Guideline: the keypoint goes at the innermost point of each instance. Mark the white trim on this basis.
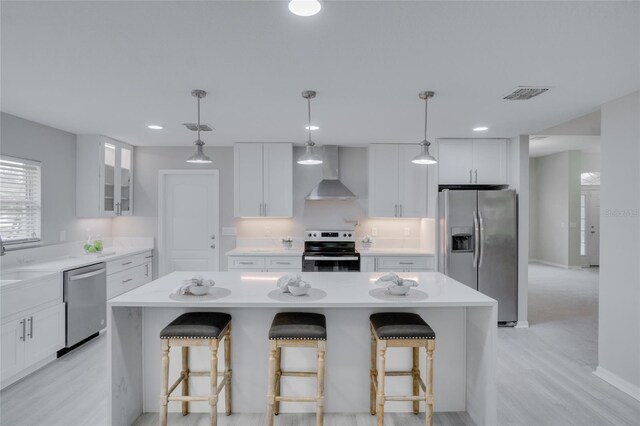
(557, 265)
(618, 382)
(522, 324)
(162, 174)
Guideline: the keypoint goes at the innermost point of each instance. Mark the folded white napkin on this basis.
(186, 285)
(290, 280)
(392, 279)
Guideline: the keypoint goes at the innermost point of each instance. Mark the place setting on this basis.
(394, 288)
(292, 288)
(198, 288)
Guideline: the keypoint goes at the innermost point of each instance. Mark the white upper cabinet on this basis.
(472, 161)
(263, 180)
(397, 187)
(104, 177)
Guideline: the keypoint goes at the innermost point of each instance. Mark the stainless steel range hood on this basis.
(330, 187)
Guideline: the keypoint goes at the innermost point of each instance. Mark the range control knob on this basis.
(315, 235)
(344, 235)
(349, 234)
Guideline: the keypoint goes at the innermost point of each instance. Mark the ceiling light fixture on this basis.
(155, 127)
(480, 129)
(312, 127)
(199, 157)
(424, 157)
(310, 156)
(304, 7)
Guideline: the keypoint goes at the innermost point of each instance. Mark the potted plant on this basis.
(367, 242)
(287, 242)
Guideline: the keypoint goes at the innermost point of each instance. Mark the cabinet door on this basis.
(12, 350)
(490, 161)
(45, 333)
(383, 180)
(248, 177)
(124, 171)
(455, 162)
(412, 182)
(108, 179)
(278, 179)
(367, 264)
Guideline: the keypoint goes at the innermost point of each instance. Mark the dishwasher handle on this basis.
(87, 275)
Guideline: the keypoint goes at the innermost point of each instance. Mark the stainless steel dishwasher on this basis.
(85, 295)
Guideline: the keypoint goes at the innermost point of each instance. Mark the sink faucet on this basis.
(3, 250)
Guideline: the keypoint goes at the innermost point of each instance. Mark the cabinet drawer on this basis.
(29, 295)
(126, 280)
(405, 263)
(283, 263)
(128, 262)
(246, 262)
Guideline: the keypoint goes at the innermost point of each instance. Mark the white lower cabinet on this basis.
(396, 264)
(265, 263)
(127, 273)
(30, 337)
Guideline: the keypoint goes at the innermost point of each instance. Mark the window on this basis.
(583, 224)
(20, 206)
(590, 178)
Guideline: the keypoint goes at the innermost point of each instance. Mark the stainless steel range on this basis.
(330, 251)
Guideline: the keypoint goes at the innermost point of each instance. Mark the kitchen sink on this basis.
(12, 276)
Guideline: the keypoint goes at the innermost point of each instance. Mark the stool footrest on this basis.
(398, 373)
(297, 398)
(299, 373)
(405, 398)
(207, 373)
(188, 398)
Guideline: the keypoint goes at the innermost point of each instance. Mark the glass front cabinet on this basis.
(104, 177)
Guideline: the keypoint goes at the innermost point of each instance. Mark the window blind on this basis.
(20, 200)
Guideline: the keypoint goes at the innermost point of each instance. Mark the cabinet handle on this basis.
(283, 263)
(127, 263)
(405, 263)
(30, 327)
(396, 210)
(212, 246)
(476, 175)
(400, 210)
(127, 280)
(265, 209)
(147, 273)
(24, 330)
(470, 179)
(245, 263)
(149, 257)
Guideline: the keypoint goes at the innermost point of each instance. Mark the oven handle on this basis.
(330, 257)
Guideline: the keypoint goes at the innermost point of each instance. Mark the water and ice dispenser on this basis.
(461, 239)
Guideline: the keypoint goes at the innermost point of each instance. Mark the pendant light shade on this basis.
(310, 155)
(199, 157)
(425, 157)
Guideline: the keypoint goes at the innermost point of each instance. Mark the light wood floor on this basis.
(544, 374)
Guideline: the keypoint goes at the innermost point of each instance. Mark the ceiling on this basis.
(113, 67)
(547, 145)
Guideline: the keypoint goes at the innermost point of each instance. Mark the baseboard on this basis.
(618, 382)
(557, 265)
(522, 324)
(8, 381)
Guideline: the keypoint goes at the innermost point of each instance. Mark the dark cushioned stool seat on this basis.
(196, 325)
(298, 326)
(400, 325)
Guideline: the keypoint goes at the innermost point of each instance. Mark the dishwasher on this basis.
(85, 296)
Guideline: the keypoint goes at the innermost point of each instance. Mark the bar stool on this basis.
(197, 329)
(400, 330)
(295, 329)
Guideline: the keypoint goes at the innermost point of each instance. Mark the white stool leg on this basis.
(271, 398)
(428, 414)
(213, 388)
(382, 349)
(320, 392)
(164, 387)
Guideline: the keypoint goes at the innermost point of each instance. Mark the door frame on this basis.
(587, 191)
(162, 175)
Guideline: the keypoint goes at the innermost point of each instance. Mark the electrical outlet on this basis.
(267, 231)
(374, 231)
(63, 236)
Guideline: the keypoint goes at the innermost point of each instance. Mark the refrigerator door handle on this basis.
(476, 238)
(481, 239)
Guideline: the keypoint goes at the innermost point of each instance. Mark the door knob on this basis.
(213, 246)
(213, 237)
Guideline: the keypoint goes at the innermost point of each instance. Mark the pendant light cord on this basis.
(199, 118)
(309, 116)
(426, 104)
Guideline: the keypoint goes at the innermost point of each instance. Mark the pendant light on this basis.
(424, 157)
(199, 157)
(310, 156)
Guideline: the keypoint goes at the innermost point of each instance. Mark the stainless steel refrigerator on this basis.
(478, 244)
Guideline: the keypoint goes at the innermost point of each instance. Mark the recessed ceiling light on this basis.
(480, 129)
(304, 7)
(155, 127)
(312, 127)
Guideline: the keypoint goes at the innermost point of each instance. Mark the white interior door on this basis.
(593, 227)
(188, 220)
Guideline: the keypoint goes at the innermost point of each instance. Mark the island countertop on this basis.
(343, 290)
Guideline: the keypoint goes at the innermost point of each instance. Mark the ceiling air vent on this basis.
(194, 127)
(524, 93)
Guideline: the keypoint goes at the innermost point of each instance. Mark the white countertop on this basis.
(344, 290)
(265, 251)
(65, 263)
(393, 252)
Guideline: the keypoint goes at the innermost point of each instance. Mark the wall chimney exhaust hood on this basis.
(330, 187)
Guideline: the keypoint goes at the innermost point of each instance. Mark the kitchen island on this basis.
(464, 320)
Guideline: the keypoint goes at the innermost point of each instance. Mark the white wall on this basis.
(533, 209)
(148, 161)
(619, 312)
(56, 150)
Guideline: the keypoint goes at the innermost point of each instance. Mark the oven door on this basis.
(318, 263)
